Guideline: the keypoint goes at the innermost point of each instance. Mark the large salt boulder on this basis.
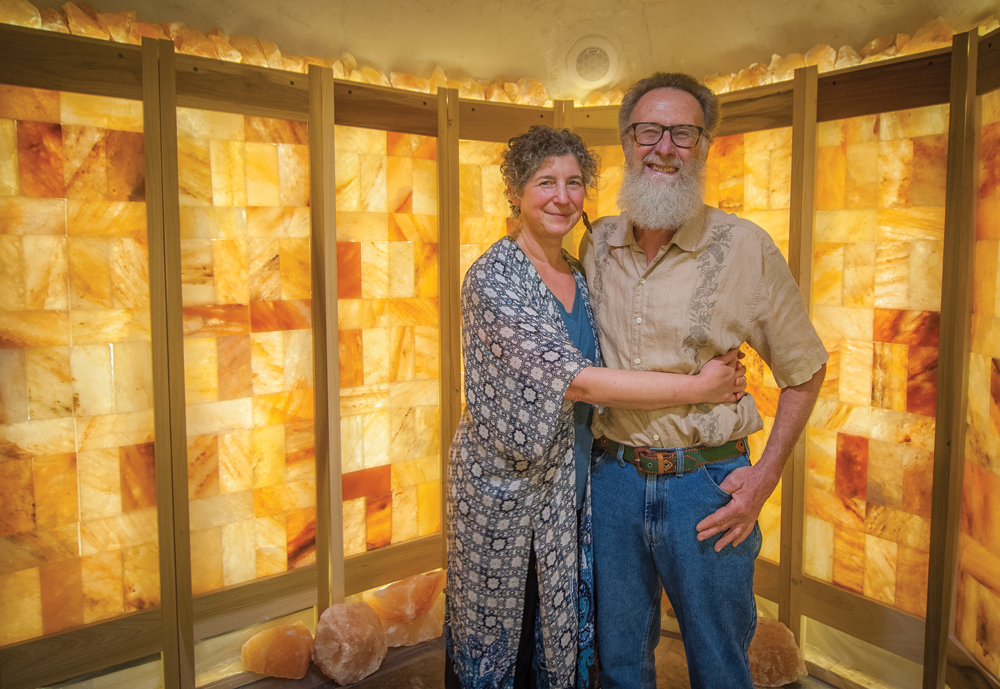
(775, 659)
(411, 610)
(281, 651)
(350, 643)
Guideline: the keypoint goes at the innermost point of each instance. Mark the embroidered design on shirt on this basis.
(710, 265)
(602, 257)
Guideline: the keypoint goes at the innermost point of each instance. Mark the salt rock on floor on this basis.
(350, 643)
(774, 656)
(407, 599)
(424, 628)
(281, 651)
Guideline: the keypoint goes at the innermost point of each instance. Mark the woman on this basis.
(520, 576)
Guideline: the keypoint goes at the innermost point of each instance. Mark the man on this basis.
(674, 283)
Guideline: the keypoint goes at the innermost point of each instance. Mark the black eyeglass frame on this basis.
(665, 128)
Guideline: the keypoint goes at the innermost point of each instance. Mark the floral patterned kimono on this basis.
(512, 482)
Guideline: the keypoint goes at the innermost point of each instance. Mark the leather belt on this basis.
(648, 460)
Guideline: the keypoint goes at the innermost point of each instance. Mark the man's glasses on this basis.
(650, 133)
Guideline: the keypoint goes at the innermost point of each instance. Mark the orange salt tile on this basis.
(404, 514)
(900, 527)
(880, 570)
(846, 512)
(46, 437)
(889, 376)
(101, 583)
(40, 159)
(995, 395)
(895, 173)
(849, 559)
(55, 484)
(300, 451)
(99, 484)
(268, 316)
(375, 437)
(402, 435)
(235, 461)
(401, 269)
(350, 343)
(267, 359)
(105, 219)
(376, 356)
(201, 370)
(295, 270)
(401, 361)
(298, 365)
(416, 311)
(425, 196)
(271, 545)
(407, 227)
(411, 146)
(35, 105)
(348, 270)
(861, 190)
(831, 166)
(50, 390)
(31, 549)
(213, 319)
(85, 167)
(852, 466)
(233, 355)
(293, 174)
(138, 476)
(918, 473)
(885, 473)
(278, 222)
(89, 273)
(264, 269)
(268, 454)
(17, 509)
(367, 482)
(129, 273)
(301, 533)
(399, 184)
(428, 508)
(426, 362)
(425, 270)
(220, 510)
(203, 466)
(206, 560)
(911, 580)
(378, 521)
(859, 274)
(262, 188)
(227, 160)
(275, 131)
(284, 498)
(126, 166)
(194, 172)
(921, 385)
(230, 271)
(283, 407)
(907, 327)
(930, 156)
(8, 158)
(93, 380)
(13, 387)
(20, 606)
(62, 596)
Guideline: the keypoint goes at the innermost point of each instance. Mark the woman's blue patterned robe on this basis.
(511, 482)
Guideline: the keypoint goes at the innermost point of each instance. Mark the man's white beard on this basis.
(661, 204)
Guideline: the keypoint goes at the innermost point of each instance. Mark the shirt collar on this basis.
(686, 238)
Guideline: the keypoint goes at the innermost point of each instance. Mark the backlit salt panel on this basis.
(482, 206)
(246, 284)
(387, 284)
(977, 612)
(78, 538)
(877, 263)
(750, 175)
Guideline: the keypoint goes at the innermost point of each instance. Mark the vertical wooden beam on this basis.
(800, 234)
(166, 328)
(329, 512)
(953, 355)
(449, 270)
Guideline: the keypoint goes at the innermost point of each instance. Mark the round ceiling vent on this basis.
(592, 62)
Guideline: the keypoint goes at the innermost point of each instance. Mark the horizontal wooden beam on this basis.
(379, 107)
(863, 618)
(898, 84)
(231, 87)
(756, 109)
(485, 121)
(964, 671)
(244, 605)
(386, 565)
(62, 656)
(597, 125)
(988, 67)
(765, 580)
(46, 60)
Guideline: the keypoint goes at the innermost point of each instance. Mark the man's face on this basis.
(664, 162)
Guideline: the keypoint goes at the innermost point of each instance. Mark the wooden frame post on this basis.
(449, 270)
(953, 356)
(329, 513)
(800, 259)
(167, 332)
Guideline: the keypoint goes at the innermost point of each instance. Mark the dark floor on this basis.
(422, 667)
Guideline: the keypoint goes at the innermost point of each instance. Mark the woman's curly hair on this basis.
(525, 155)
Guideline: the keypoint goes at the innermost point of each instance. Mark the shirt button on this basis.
(656, 437)
(642, 281)
(638, 320)
(637, 360)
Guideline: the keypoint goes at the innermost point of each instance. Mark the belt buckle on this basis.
(650, 461)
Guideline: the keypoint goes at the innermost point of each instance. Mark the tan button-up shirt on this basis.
(720, 281)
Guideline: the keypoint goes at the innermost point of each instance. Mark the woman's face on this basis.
(552, 200)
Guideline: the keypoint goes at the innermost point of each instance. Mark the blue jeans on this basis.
(644, 535)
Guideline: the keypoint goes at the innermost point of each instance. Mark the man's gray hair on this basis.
(671, 80)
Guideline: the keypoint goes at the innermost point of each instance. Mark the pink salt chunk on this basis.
(350, 643)
(281, 651)
(407, 599)
(774, 656)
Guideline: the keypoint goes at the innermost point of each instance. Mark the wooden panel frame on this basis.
(379, 107)
(953, 354)
(244, 89)
(486, 121)
(386, 565)
(988, 63)
(756, 109)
